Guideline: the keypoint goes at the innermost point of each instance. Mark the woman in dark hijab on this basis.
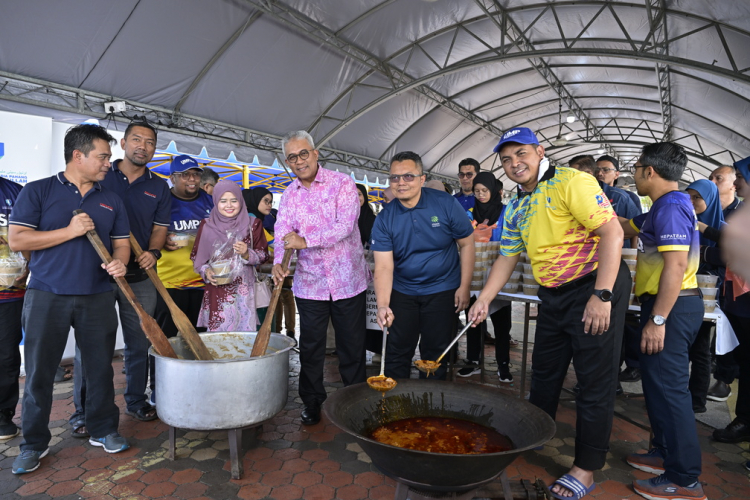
(254, 197)
(366, 215)
(488, 204)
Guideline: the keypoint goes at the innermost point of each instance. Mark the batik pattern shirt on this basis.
(325, 214)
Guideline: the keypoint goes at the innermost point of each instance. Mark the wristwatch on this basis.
(658, 320)
(604, 295)
(157, 253)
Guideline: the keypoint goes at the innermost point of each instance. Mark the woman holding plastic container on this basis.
(488, 210)
(229, 243)
(704, 196)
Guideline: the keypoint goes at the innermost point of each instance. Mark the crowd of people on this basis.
(206, 238)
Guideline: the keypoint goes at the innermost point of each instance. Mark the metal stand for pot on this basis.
(505, 490)
(237, 445)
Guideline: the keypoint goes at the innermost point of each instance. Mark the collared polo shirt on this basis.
(670, 226)
(175, 268)
(148, 203)
(620, 201)
(466, 200)
(423, 242)
(555, 223)
(8, 193)
(635, 199)
(72, 267)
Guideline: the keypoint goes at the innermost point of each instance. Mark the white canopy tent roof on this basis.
(369, 78)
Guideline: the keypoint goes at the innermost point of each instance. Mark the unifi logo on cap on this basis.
(187, 160)
(511, 133)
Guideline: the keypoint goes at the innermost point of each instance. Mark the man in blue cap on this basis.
(190, 205)
(566, 224)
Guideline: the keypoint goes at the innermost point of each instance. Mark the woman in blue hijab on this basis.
(705, 197)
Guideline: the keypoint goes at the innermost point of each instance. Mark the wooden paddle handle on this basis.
(264, 334)
(155, 335)
(181, 321)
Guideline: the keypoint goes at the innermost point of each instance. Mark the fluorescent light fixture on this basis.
(570, 118)
(601, 151)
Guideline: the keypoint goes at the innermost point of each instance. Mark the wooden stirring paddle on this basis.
(181, 321)
(264, 334)
(148, 324)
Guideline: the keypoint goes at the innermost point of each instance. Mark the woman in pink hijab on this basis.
(231, 306)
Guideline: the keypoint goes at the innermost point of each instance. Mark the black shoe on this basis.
(733, 433)
(719, 391)
(311, 414)
(699, 409)
(471, 368)
(503, 374)
(630, 375)
(7, 428)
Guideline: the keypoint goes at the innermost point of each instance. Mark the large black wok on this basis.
(359, 410)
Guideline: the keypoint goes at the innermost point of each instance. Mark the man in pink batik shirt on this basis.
(318, 217)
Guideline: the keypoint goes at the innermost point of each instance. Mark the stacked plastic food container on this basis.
(522, 279)
(485, 255)
(708, 285)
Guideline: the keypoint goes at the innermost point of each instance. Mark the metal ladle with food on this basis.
(430, 367)
(380, 382)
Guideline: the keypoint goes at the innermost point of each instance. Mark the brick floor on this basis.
(291, 461)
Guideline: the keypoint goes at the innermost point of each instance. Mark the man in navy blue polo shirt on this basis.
(421, 278)
(69, 286)
(11, 304)
(147, 201)
(468, 168)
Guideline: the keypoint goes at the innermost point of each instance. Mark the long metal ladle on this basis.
(380, 382)
(430, 367)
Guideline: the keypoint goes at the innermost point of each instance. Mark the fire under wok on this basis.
(359, 410)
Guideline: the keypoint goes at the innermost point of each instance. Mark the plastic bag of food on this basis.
(12, 265)
(225, 263)
(483, 233)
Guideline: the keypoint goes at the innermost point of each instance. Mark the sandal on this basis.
(63, 374)
(79, 429)
(144, 414)
(574, 486)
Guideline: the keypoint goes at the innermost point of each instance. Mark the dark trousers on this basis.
(700, 365)
(10, 356)
(665, 387)
(631, 344)
(136, 351)
(427, 320)
(501, 321)
(727, 367)
(596, 359)
(47, 319)
(189, 301)
(741, 327)
(348, 318)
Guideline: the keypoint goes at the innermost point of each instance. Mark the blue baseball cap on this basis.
(182, 163)
(518, 135)
(743, 167)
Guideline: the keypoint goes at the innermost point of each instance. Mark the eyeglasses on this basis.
(635, 168)
(466, 175)
(607, 170)
(302, 155)
(188, 175)
(406, 177)
(267, 202)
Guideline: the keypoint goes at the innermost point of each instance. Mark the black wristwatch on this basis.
(157, 253)
(604, 295)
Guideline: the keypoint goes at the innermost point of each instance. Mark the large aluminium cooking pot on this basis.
(228, 392)
(359, 410)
